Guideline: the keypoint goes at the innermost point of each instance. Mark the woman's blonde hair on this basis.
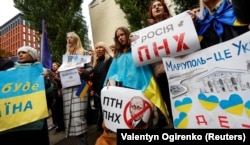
(107, 54)
(77, 48)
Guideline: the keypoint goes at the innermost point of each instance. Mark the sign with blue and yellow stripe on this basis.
(22, 96)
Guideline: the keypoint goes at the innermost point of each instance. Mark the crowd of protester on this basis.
(73, 114)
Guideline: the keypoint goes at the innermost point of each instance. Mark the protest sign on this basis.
(119, 111)
(68, 70)
(172, 37)
(70, 78)
(22, 96)
(210, 88)
(73, 61)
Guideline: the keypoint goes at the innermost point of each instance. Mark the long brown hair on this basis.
(118, 46)
(166, 10)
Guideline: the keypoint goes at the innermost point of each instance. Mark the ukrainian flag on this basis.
(123, 69)
(224, 15)
(82, 90)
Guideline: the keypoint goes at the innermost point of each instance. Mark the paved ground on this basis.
(59, 138)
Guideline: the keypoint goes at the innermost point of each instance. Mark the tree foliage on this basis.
(61, 16)
(183, 5)
(137, 11)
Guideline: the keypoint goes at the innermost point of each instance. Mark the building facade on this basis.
(105, 17)
(16, 33)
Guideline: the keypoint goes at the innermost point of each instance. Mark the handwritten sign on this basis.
(210, 88)
(22, 96)
(117, 112)
(73, 61)
(68, 70)
(70, 78)
(175, 36)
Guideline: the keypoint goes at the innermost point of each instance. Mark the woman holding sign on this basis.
(27, 133)
(126, 74)
(158, 11)
(75, 108)
(124, 71)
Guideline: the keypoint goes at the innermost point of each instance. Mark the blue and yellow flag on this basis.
(82, 90)
(123, 69)
(22, 96)
(224, 15)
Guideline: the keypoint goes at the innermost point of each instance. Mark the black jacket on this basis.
(211, 38)
(99, 73)
(5, 64)
(140, 125)
(242, 10)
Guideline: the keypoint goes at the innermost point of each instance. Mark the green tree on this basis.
(61, 16)
(136, 12)
(183, 5)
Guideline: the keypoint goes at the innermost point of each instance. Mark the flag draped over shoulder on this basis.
(141, 78)
(46, 59)
(223, 15)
